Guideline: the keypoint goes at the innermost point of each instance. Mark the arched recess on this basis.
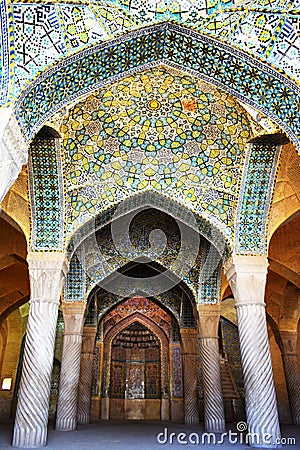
(164, 340)
(286, 199)
(167, 44)
(284, 250)
(152, 199)
(179, 302)
(152, 271)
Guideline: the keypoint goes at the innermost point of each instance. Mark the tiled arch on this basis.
(164, 44)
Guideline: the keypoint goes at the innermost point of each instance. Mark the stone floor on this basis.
(141, 435)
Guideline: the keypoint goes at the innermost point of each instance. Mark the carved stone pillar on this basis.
(13, 151)
(292, 377)
(47, 272)
(191, 409)
(86, 374)
(214, 416)
(66, 418)
(247, 279)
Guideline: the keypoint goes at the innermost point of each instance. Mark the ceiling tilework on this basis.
(157, 130)
(250, 81)
(48, 31)
(265, 29)
(6, 52)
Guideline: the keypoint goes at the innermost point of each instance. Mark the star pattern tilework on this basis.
(46, 32)
(6, 55)
(249, 81)
(255, 198)
(46, 195)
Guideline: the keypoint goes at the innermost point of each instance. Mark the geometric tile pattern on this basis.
(215, 62)
(46, 195)
(210, 277)
(106, 300)
(157, 130)
(265, 29)
(38, 40)
(255, 198)
(6, 57)
(75, 282)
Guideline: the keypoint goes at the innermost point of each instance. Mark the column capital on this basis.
(73, 313)
(188, 337)
(48, 261)
(89, 331)
(47, 272)
(209, 316)
(88, 339)
(73, 307)
(289, 342)
(247, 276)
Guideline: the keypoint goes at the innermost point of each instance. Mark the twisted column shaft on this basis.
(214, 416)
(261, 403)
(47, 272)
(66, 418)
(86, 374)
(247, 278)
(191, 409)
(290, 364)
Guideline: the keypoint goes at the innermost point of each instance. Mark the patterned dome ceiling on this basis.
(158, 130)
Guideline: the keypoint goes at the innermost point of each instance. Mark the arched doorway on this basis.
(141, 376)
(135, 371)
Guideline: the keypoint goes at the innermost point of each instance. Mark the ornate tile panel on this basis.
(210, 277)
(6, 55)
(46, 195)
(255, 198)
(38, 40)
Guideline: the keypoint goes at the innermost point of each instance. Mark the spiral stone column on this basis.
(247, 278)
(214, 416)
(66, 418)
(47, 272)
(292, 376)
(191, 409)
(86, 374)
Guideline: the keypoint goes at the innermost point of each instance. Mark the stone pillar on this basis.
(47, 272)
(214, 416)
(66, 418)
(86, 374)
(292, 377)
(191, 408)
(13, 151)
(247, 279)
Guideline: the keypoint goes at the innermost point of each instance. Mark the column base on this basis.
(66, 425)
(217, 428)
(30, 438)
(83, 419)
(105, 408)
(165, 409)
